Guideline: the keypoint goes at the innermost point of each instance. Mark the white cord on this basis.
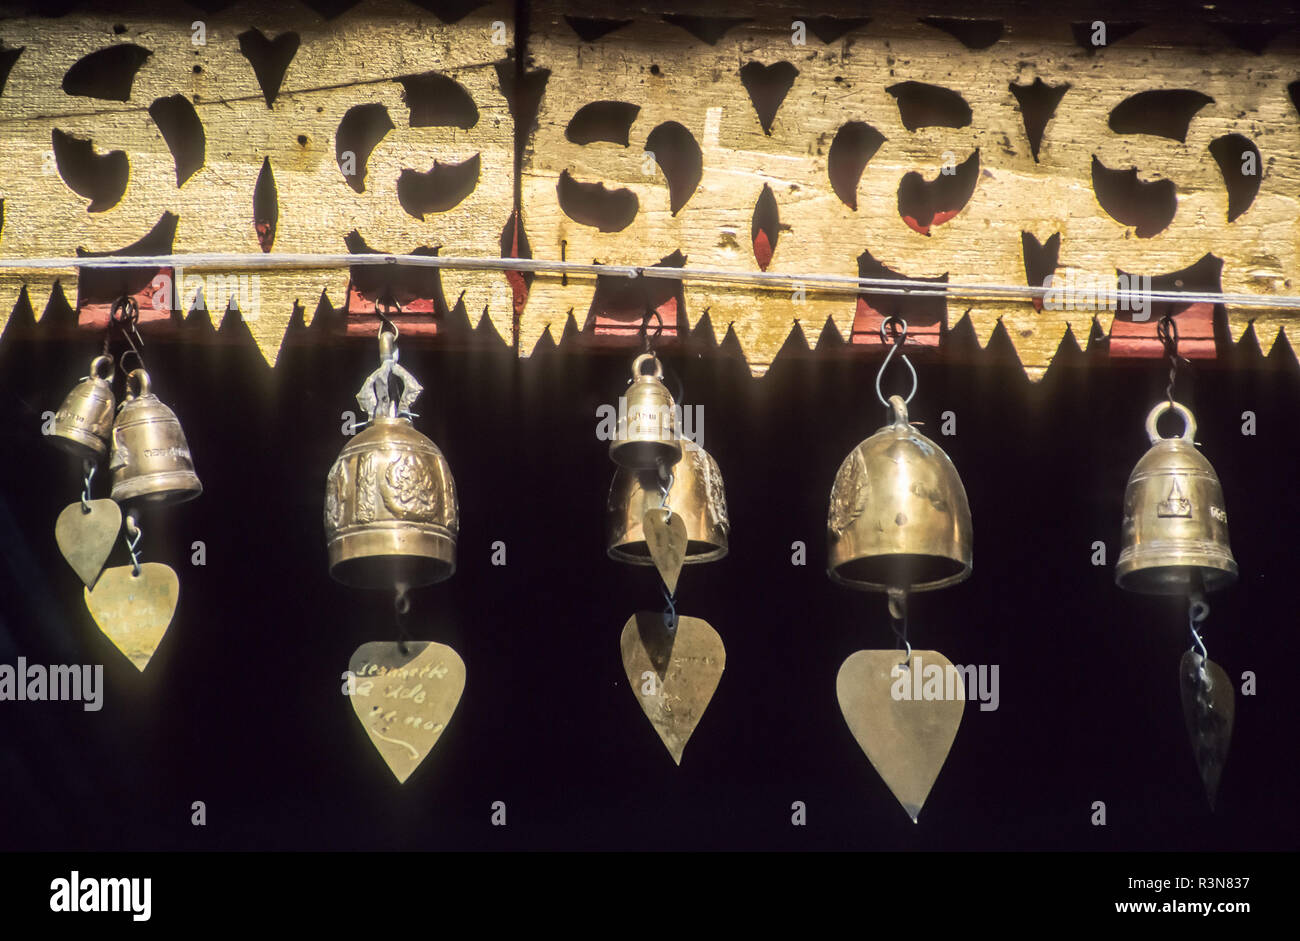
(836, 284)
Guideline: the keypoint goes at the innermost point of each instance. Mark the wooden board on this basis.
(668, 74)
(353, 59)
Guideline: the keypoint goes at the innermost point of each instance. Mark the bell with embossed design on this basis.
(83, 424)
(898, 516)
(647, 434)
(1175, 532)
(151, 460)
(391, 515)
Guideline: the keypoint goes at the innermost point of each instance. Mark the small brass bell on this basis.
(647, 432)
(151, 461)
(83, 424)
(898, 513)
(696, 496)
(391, 515)
(1175, 536)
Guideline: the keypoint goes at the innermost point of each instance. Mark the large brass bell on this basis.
(151, 461)
(696, 496)
(391, 515)
(898, 513)
(647, 433)
(1175, 536)
(83, 424)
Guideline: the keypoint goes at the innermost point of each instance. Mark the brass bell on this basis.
(151, 461)
(696, 496)
(898, 513)
(647, 420)
(391, 515)
(84, 422)
(1175, 536)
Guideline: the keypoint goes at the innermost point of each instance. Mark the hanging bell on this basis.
(898, 513)
(151, 462)
(696, 496)
(647, 432)
(83, 424)
(391, 515)
(1175, 537)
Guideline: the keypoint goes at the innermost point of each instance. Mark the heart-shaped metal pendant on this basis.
(85, 534)
(134, 611)
(665, 537)
(674, 673)
(405, 699)
(1209, 705)
(904, 717)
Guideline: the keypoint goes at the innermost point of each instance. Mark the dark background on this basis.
(241, 706)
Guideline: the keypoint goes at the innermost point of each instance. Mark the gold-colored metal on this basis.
(151, 460)
(647, 434)
(135, 610)
(665, 536)
(674, 673)
(84, 422)
(391, 515)
(404, 695)
(898, 513)
(1175, 534)
(1209, 706)
(904, 717)
(85, 532)
(697, 496)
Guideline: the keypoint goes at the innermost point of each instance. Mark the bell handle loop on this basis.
(899, 407)
(140, 379)
(895, 347)
(101, 367)
(1189, 422)
(638, 364)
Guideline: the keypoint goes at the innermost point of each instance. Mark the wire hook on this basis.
(645, 327)
(899, 336)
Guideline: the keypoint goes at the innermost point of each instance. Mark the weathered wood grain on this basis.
(350, 60)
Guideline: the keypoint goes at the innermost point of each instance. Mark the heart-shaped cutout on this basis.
(1209, 707)
(665, 537)
(904, 717)
(134, 611)
(673, 673)
(405, 700)
(85, 534)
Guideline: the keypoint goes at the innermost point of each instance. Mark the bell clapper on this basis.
(898, 617)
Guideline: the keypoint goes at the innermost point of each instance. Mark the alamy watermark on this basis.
(181, 291)
(618, 424)
(75, 682)
(914, 682)
(1080, 290)
(78, 894)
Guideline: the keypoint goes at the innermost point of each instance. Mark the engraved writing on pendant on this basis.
(405, 700)
(684, 668)
(1209, 707)
(904, 719)
(665, 537)
(134, 611)
(86, 538)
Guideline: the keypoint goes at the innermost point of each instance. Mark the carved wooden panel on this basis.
(824, 149)
(120, 128)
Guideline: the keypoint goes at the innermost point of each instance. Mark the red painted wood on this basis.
(1132, 340)
(97, 292)
(866, 328)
